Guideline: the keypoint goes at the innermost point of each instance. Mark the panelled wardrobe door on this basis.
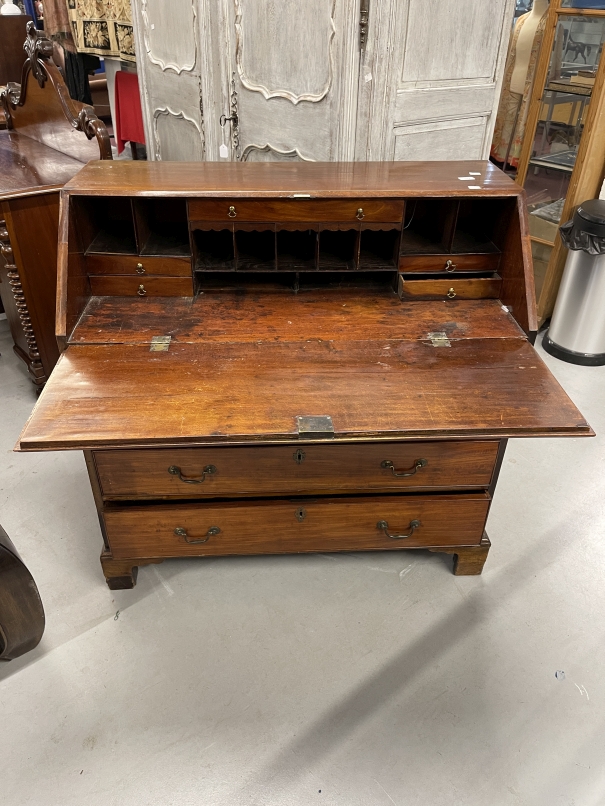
(430, 78)
(321, 79)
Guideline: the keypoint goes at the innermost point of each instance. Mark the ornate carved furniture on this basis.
(21, 612)
(294, 357)
(48, 139)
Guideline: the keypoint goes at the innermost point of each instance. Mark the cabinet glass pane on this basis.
(583, 4)
(573, 63)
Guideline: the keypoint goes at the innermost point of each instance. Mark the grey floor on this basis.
(339, 680)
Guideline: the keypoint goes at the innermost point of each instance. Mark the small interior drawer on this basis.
(276, 210)
(289, 469)
(132, 264)
(132, 286)
(301, 525)
(471, 288)
(449, 264)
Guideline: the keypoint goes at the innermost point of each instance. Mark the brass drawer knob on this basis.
(141, 292)
(175, 470)
(232, 212)
(384, 527)
(180, 531)
(418, 465)
(451, 294)
(449, 266)
(360, 214)
(140, 268)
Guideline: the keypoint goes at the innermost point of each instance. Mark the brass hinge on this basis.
(159, 344)
(315, 427)
(439, 339)
(364, 15)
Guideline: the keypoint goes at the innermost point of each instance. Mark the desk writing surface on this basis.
(217, 392)
(269, 315)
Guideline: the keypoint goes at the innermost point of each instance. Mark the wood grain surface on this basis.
(112, 395)
(275, 315)
(27, 166)
(276, 527)
(280, 469)
(283, 179)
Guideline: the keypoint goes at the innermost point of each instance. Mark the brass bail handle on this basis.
(180, 531)
(140, 268)
(232, 212)
(384, 527)
(451, 293)
(449, 266)
(360, 214)
(141, 291)
(175, 470)
(418, 465)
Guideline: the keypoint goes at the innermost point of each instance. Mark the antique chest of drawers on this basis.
(294, 357)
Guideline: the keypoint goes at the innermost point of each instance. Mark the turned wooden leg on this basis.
(470, 560)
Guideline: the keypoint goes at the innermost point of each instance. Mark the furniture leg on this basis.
(468, 560)
(119, 574)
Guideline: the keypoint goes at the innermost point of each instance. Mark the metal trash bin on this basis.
(577, 328)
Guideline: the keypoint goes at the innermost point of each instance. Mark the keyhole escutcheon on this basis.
(299, 456)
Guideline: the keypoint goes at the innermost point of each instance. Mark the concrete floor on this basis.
(341, 680)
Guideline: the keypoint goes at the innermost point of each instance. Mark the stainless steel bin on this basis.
(577, 328)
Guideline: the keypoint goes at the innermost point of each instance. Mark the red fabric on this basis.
(129, 119)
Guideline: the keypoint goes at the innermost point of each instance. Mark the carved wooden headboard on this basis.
(40, 107)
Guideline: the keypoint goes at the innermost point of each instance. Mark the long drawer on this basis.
(303, 525)
(390, 210)
(288, 469)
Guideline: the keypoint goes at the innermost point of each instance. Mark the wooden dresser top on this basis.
(285, 179)
(28, 167)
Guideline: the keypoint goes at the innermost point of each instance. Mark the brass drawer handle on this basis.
(360, 214)
(232, 212)
(141, 291)
(175, 470)
(140, 268)
(451, 293)
(180, 531)
(418, 464)
(384, 527)
(449, 266)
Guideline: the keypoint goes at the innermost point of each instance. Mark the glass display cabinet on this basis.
(561, 162)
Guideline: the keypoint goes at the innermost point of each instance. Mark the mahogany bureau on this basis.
(294, 357)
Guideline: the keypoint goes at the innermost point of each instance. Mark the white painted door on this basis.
(292, 71)
(430, 78)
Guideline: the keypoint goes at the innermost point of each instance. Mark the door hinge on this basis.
(364, 15)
